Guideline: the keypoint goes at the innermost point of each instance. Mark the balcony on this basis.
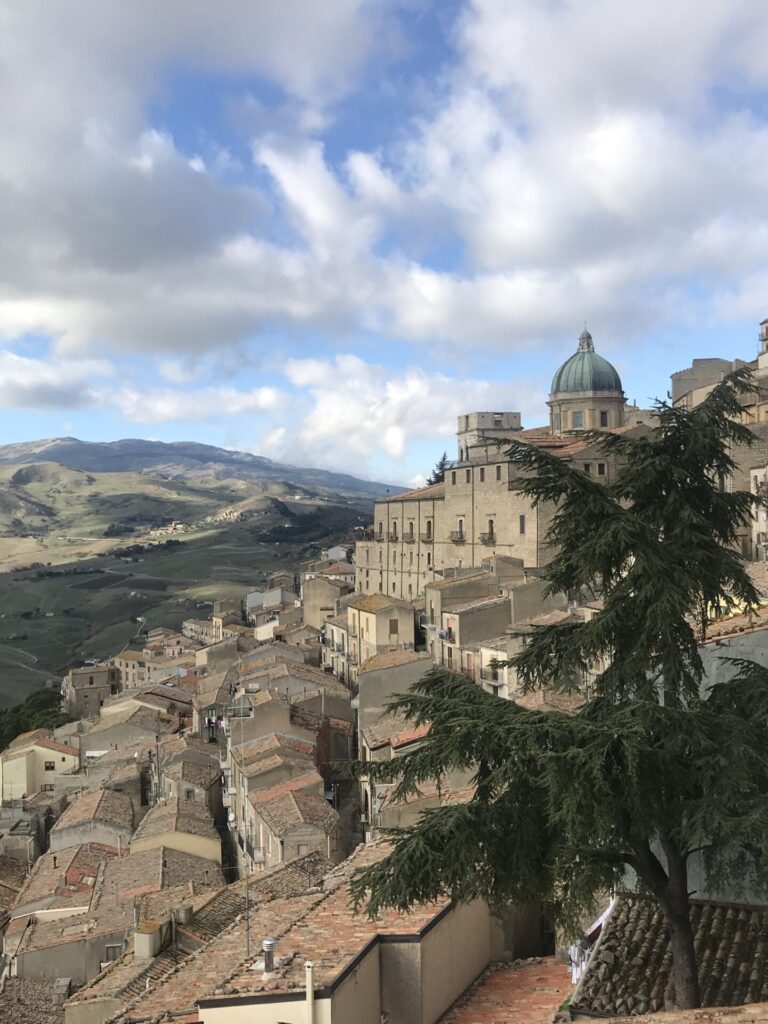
(378, 536)
(392, 537)
(458, 537)
(427, 538)
(409, 538)
(489, 539)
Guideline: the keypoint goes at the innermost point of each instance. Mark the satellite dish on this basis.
(231, 816)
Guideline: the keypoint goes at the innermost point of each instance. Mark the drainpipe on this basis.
(310, 984)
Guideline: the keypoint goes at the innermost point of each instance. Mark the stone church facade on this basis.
(475, 514)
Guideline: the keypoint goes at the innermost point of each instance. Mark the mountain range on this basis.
(183, 460)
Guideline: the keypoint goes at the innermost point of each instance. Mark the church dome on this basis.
(586, 371)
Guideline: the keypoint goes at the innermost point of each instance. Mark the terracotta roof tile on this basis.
(107, 805)
(629, 970)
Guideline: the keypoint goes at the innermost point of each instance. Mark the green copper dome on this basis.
(586, 371)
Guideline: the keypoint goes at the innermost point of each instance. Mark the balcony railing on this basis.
(378, 536)
(489, 675)
(488, 538)
(409, 538)
(392, 536)
(458, 537)
(427, 538)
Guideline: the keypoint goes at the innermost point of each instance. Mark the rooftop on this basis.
(285, 811)
(419, 493)
(521, 992)
(176, 816)
(392, 659)
(67, 878)
(106, 805)
(393, 730)
(629, 971)
(376, 602)
(30, 1001)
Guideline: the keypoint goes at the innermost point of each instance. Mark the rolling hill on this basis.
(95, 536)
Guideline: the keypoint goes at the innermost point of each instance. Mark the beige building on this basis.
(132, 666)
(31, 762)
(291, 820)
(450, 527)
(377, 623)
(689, 389)
(84, 690)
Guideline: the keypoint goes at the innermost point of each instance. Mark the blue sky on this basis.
(321, 232)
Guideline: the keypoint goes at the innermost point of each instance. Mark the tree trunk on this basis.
(685, 970)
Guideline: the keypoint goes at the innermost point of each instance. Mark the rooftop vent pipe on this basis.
(268, 945)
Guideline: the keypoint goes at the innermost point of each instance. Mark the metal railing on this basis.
(458, 537)
(409, 538)
(488, 538)
(427, 538)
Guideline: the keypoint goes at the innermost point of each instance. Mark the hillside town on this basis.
(181, 849)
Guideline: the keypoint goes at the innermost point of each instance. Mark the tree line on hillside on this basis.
(41, 710)
(654, 767)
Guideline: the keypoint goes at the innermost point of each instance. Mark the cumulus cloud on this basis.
(27, 383)
(153, 405)
(359, 409)
(570, 161)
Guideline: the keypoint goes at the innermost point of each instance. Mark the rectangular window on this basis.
(190, 794)
(50, 766)
(522, 525)
(453, 477)
(601, 469)
(47, 787)
(393, 627)
(429, 558)
(587, 467)
(498, 472)
(603, 418)
(469, 475)
(303, 849)
(482, 475)
(577, 420)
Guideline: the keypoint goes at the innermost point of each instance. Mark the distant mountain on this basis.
(182, 460)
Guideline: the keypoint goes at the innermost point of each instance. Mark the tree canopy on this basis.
(654, 766)
(438, 473)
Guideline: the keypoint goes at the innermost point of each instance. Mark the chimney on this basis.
(268, 945)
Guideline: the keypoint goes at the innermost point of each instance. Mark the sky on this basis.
(321, 231)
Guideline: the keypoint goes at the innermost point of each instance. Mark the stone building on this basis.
(84, 690)
(451, 527)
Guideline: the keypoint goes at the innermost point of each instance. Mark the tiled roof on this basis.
(391, 659)
(176, 816)
(376, 602)
(629, 970)
(30, 1001)
(107, 805)
(319, 926)
(392, 730)
(309, 780)
(67, 878)
(285, 811)
(25, 738)
(142, 717)
(521, 992)
(196, 773)
(431, 491)
(451, 581)
(149, 871)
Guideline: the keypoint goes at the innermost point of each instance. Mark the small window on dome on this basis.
(577, 420)
(603, 418)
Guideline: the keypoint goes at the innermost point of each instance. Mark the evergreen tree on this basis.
(653, 767)
(438, 473)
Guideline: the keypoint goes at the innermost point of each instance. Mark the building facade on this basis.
(477, 512)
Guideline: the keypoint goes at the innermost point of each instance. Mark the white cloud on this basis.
(148, 405)
(28, 383)
(578, 160)
(357, 409)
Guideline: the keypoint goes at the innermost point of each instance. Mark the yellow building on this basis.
(31, 762)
